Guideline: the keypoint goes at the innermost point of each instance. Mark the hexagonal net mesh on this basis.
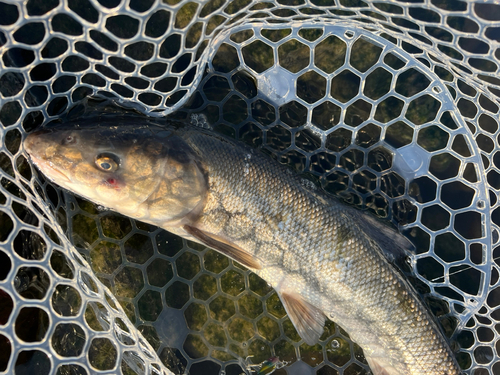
(392, 106)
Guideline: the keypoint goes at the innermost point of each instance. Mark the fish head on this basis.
(137, 172)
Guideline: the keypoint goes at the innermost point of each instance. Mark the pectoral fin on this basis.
(231, 250)
(378, 368)
(307, 319)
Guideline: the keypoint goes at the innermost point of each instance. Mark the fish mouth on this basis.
(33, 145)
(49, 170)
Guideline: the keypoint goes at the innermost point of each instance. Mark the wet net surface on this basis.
(392, 106)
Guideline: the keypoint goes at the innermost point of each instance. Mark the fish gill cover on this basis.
(392, 106)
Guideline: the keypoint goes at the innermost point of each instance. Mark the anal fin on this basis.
(307, 319)
(231, 250)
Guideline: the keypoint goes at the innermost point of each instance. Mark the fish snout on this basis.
(34, 142)
(29, 143)
(37, 145)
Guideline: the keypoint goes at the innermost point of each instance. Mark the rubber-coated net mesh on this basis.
(392, 106)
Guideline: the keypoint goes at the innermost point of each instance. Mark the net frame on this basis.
(457, 65)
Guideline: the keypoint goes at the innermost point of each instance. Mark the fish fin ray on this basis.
(394, 245)
(378, 368)
(228, 249)
(307, 319)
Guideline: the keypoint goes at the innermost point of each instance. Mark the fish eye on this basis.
(107, 162)
(68, 140)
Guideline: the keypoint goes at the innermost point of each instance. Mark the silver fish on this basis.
(324, 259)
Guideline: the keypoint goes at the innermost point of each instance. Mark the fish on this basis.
(325, 260)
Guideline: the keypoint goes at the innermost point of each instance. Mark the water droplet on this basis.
(200, 120)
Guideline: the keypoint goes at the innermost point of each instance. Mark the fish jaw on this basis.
(50, 171)
(39, 151)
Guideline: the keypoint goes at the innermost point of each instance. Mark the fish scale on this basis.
(395, 315)
(323, 258)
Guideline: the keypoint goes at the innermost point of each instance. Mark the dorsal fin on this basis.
(394, 245)
(307, 319)
(231, 250)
